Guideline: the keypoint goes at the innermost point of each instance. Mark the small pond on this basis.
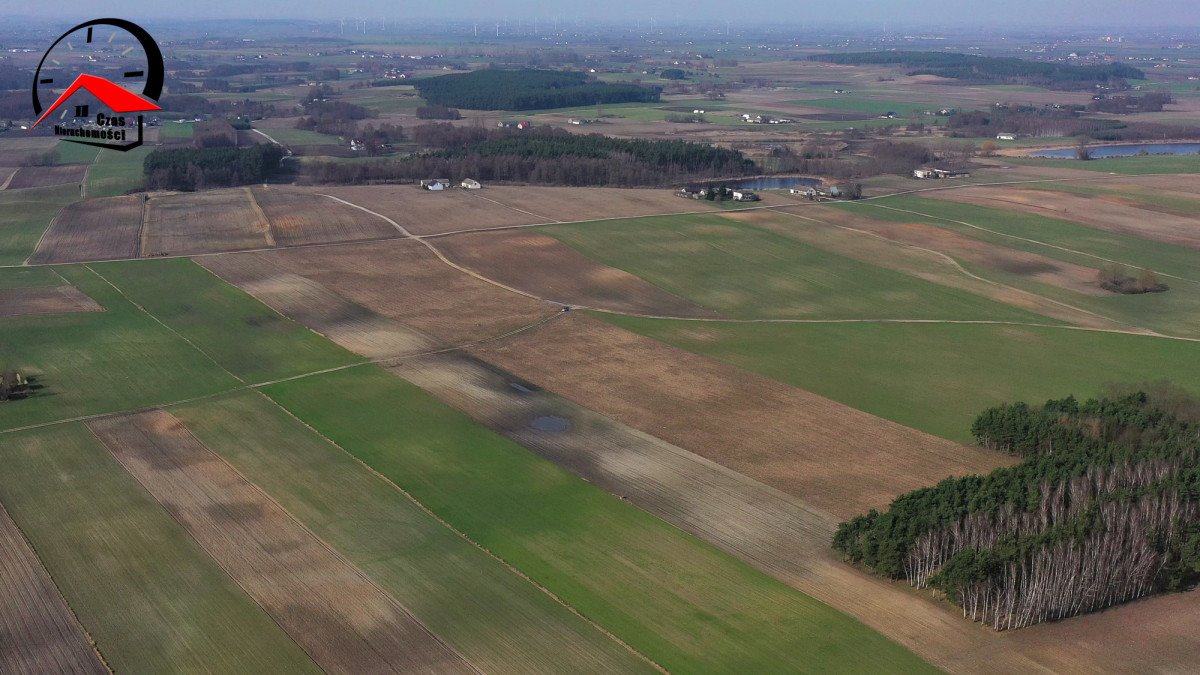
(1102, 151)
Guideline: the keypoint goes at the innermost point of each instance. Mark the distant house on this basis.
(939, 173)
(435, 183)
(471, 184)
(524, 125)
(13, 385)
(889, 115)
(1006, 137)
(690, 192)
(358, 146)
(744, 196)
(580, 120)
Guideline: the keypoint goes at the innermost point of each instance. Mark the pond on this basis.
(768, 183)
(1102, 151)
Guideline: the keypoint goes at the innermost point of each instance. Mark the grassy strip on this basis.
(679, 601)
(151, 598)
(25, 215)
(1128, 166)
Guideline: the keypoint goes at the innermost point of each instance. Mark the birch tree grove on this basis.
(1104, 509)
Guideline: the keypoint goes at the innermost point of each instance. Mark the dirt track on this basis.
(331, 609)
(301, 217)
(45, 300)
(38, 632)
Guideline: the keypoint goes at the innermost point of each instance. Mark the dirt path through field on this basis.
(330, 608)
(38, 631)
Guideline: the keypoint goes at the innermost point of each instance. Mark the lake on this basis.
(1102, 151)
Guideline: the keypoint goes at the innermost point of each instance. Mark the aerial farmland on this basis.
(611, 357)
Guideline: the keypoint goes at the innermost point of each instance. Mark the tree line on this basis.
(200, 168)
(1103, 509)
(991, 69)
(527, 89)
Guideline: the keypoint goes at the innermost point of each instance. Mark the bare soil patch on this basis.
(338, 616)
(204, 222)
(1104, 214)
(402, 280)
(546, 267)
(424, 212)
(38, 631)
(311, 304)
(45, 300)
(95, 229)
(300, 216)
(832, 456)
(44, 176)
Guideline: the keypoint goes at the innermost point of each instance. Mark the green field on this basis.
(149, 596)
(499, 621)
(745, 272)
(933, 377)
(25, 215)
(116, 173)
(96, 362)
(67, 152)
(246, 337)
(1130, 166)
(681, 602)
(872, 106)
(176, 130)
(28, 277)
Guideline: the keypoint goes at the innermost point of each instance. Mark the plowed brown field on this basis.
(96, 229)
(43, 176)
(300, 217)
(204, 222)
(331, 609)
(38, 632)
(45, 300)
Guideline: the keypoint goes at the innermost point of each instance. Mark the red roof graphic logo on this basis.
(117, 99)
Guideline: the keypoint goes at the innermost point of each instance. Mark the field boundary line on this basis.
(509, 206)
(462, 535)
(192, 537)
(174, 332)
(382, 361)
(338, 555)
(269, 234)
(49, 226)
(4, 185)
(5, 513)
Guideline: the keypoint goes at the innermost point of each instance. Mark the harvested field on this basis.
(424, 212)
(402, 280)
(301, 217)
(45, 300)
(824, 452)
(96, 229)
(311, 304)
(571, 204)
(546, 267)
(340, 618)
(1107, 214)
(38, 632)
(45, 176)
(1020, 263)
(16, 150)
(204, 222)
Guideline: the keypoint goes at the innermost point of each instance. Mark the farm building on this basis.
(13, 385)
(744, 196)
(691, 192)
(471, 184)
(435, 183)
(939, 173)
(804, 191)
(1006, 137)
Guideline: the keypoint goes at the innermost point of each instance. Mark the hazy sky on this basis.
(1067, 13)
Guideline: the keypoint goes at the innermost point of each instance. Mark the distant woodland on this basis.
(210, 167)
(541, 155)
(992, 69)
(1103, 509)
(527, 89)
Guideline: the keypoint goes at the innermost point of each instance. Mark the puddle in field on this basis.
(550, 423)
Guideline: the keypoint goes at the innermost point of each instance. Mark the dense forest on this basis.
(1103, 509)
(544, 155)
(991, 69)
(527, 89)
(200, 168)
